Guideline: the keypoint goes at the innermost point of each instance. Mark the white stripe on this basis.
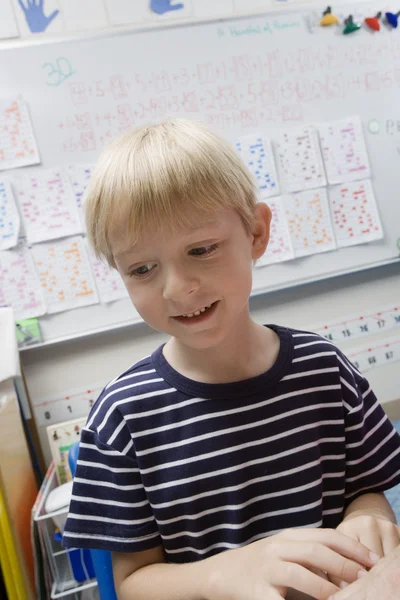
(169, 408)
(249, 444)
(127, 447)
(99, 450)
(373, 451)
(365, 416)
(373, 485)
(108, 538)
(116, 432)
(374, 469)
(367, 392)
(309, 334)
(120, 389)
(309, 373)
(228, 546)
(123, 377)
(367, 435)
(246, 484)
(349, 387)
(238, 526)
(110, 484)
(347, 406)
(223, 507)
(224, 413)
(96, 465)
(332, 511)
(263, 460)
(105, 502)
(110, 520)
(310, 356)
(319, 341)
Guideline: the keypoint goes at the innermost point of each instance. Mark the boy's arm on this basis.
(373, 505)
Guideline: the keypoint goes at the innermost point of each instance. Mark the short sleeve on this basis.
(109, 508)
(372, 442)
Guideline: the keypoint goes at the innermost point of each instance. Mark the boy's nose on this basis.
(178, 285)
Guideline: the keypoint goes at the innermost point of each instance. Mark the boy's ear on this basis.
(261, 229)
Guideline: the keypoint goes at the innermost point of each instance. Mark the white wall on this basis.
(53, 370)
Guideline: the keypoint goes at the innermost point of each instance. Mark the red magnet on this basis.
(373, 22)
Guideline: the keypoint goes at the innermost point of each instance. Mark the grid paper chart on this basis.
(17, 141)
(19, 283)
(344, 150)
(79, 176)
(256, 152)
(108, 281)
(9, 217)
(47, 205)
(310, 226)
(300, 159)
(280, 245)
(65, 275)
(355, 213)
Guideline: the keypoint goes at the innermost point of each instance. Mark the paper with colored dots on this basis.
(344, 150)
(79, 176)
(355, 213)
(256, 152)
(65, 275)
(309, 222)
(280, 245)
(19, 283)
(108, 281)
(300, 159)
(47, 205)
(9, 217)
(17, 141)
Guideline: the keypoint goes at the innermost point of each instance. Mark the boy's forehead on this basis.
(126, 243)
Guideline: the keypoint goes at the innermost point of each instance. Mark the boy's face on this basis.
(194, 284)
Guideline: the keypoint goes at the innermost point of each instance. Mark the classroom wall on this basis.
(97, 359)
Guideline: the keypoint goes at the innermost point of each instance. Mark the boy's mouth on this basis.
(198, 314)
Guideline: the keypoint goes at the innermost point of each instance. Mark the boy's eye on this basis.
(142, 270)
(203, 250)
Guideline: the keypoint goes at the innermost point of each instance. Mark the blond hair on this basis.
(169, 174)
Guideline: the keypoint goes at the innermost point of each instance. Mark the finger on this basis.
(52, 16)
(317, 556)
(22, 5)
(371, 538)
(335, 540)
(297, 577)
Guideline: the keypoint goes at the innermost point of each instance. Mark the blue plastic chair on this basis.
(101, 558)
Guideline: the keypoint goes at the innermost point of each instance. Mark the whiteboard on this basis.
(242, 76)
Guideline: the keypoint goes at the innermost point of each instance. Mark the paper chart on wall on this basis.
(65, 275)
(309, 221)
(47, 205)
(344, 150)
(355, 213)
(280, 245)
(300, 159)
(17, 141)
(9, 217)
(256, 152)
(79, 176)
(108, 281)
(19, 283)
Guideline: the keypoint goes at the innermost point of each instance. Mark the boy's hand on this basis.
(376, 532)
(295, 558)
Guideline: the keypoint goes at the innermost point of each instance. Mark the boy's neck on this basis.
(250, 350)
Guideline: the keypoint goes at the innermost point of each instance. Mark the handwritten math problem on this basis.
(256, 152)
(17, 142)
(65, 276)
(9, 217)
(47, 205)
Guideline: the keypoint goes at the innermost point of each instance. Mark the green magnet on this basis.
(350, 26)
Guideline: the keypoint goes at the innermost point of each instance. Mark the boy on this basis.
(210, 467)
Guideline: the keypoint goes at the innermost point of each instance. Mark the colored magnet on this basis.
(350, 26)
(392, 19)
(373, 22)
(328, 18)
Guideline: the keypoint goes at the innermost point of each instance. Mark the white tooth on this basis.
(190, 315)
(202, 310)
(196, 314)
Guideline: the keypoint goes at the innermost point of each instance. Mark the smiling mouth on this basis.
(198, 312)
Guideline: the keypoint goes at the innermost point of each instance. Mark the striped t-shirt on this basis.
(200, 468)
